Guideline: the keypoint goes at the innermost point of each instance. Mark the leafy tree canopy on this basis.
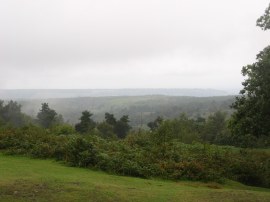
(11, 114)
(252, 116)
(214, 127)
(264, 20)
(253, 106)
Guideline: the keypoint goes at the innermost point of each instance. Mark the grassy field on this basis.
(25, 179)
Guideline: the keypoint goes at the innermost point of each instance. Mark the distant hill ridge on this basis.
(72, 93)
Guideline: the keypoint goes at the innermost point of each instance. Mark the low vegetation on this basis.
(142, 154)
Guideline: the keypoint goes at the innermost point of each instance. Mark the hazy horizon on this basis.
(195, 88)
(120, 44)
(17, 94)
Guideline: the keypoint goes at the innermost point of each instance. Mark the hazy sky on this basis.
(128, 44)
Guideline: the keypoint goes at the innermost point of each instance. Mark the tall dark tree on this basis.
(46, 117)
(122, 127)
(110, 119)
(86, 123)
(252, 116)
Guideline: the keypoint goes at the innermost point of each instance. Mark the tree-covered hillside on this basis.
(140, 109)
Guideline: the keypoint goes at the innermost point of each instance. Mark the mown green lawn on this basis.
(25, 179)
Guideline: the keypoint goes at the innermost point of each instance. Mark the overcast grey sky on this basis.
(128, 44)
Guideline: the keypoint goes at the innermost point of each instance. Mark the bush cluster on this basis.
(138, 155)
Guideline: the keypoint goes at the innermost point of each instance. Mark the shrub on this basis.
(138, 156)
(80, 152)
(64, 129)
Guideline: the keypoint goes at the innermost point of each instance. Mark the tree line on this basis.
(217, 128)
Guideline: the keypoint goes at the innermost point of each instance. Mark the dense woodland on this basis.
(206, 144)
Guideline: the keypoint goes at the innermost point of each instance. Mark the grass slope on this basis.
(25, 179)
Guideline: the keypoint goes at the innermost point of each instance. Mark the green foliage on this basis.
(122, 127)
(137, 155)
(32, 140)
(80, 152)
(139, 139)
(106, 130)
(155, 124)
(46, 117)
(250, 124)
(252, 116)
(212, 130)
(86, 124)
(63, 129)
(10, 114)
(215, 129)
(182, 128)
(264, 20)
(248, 168)
(109, 118)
